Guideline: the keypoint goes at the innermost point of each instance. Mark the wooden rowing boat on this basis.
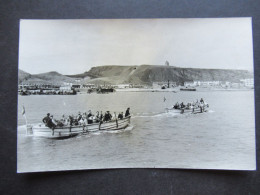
(196, 110)
(69, 131)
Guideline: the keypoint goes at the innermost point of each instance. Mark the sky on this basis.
(74, 46)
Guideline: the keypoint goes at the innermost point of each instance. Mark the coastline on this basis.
(177, 89)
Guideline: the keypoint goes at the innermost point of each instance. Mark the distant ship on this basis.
(188, 89)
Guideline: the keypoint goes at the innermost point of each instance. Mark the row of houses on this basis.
(37, 86)
(168, 84)
(242, 83)
(118, 86)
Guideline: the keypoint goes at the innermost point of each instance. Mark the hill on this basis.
(147, 74)
(23, 76)
(44, 78)
(143, 74)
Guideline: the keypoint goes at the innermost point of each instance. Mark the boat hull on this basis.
(70, 131)
(187, 89)
(186, 110)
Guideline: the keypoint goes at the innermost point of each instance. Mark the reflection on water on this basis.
(212, 140)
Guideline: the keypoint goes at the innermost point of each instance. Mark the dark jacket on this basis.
(107, 117)
(127, 113)
(90, 121)
(46, 119)
(120, 116)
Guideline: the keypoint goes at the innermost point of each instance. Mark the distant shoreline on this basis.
(173, 90)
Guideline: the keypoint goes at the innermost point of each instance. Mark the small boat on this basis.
(24, 93)
(188, 89)
(41, 130)
(191, 110)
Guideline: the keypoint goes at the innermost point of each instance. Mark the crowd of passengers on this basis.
(83, 118)
(197, 104)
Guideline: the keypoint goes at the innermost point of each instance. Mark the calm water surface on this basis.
(223, 138)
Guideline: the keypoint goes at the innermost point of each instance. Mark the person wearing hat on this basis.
(46, 119)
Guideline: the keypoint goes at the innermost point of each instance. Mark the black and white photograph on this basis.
(136, 93)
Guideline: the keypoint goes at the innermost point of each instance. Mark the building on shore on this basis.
(190, 84)
(248, 82)
(121, 86)
(201, 83)
(76, 86)
(225, 84)
(136, 86)
(164, 84)
(88, 86)
(36, 86)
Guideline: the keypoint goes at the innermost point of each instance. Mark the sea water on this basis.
(222, 138)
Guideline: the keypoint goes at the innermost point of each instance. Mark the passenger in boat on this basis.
(182, 105)
(66, 122)
(114, 117)
(60, 123)
(52, 123)
(90, 117)
(127, 112)
(63, 118)
(46, 119)
(201, 101)
(120, 115)
(101, 116)
(84, 115)
(71, 120)
(198, 104)
(176, 106)
(96, 119)
(83, 120)
(75, 120)
(107, 116)
(79, 116)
